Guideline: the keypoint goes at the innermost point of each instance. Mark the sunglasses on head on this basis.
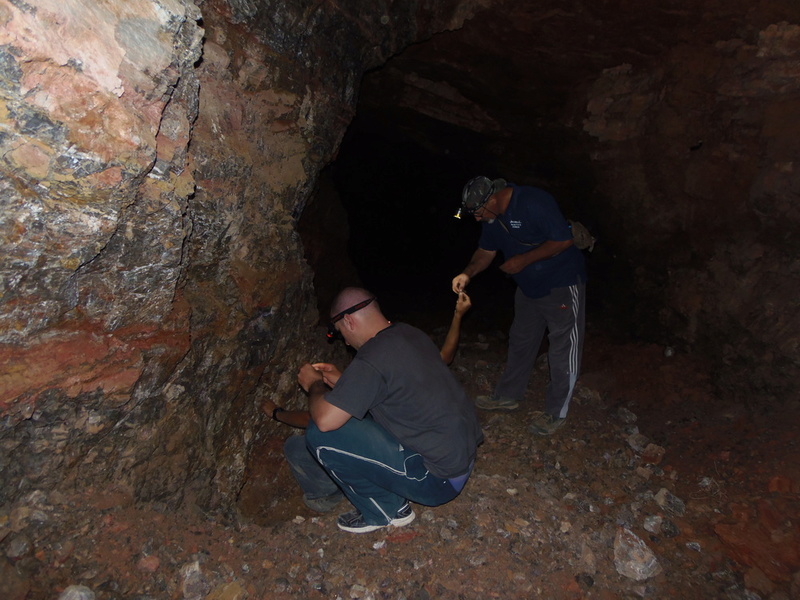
(332, 332)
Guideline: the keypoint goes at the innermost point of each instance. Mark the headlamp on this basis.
(332, 332)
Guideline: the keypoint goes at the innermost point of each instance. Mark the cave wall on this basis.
(695, 158)
(156, 156)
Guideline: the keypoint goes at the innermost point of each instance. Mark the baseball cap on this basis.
(477, 192)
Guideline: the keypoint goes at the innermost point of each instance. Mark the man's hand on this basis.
(460, 282)
(463, 304)
(307, 376)
(514, 265)
(268, 406)
(330, 374)
(548, 249)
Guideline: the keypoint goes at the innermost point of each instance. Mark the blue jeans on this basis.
(376, 473)
(312, 478)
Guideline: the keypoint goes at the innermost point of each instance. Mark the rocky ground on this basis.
(655, 488)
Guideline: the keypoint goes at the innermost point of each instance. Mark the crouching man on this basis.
(395, 426)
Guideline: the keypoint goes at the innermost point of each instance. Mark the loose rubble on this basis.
(617, 504)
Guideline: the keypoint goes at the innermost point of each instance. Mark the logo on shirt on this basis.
(515, 224)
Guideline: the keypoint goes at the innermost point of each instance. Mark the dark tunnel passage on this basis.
(399, 177)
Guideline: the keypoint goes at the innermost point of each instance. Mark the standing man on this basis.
(525, 224)
(395, 425)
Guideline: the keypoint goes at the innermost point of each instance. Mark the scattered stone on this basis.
(587, 563)
(670, 502)
(62, 551)
(148, 564)
(19, 546)
(653, 454)
(20, 517)
(780, 484)
(587, 395)
(694, 546)
(669, 529)
(626, 416)
(477, 561)
(638, 442)
(653, 523)
(77, 592)
(12, 585)
(195, 585)
(228, 591)
(633, 558)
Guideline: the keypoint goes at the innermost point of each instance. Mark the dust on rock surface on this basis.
(709, 486)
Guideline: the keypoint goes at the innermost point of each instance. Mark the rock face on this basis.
(156, 155)
(98, 106)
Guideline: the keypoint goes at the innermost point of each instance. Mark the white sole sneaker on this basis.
(402, 520)
(353, 522)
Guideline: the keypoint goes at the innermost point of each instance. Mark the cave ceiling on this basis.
(520, 64)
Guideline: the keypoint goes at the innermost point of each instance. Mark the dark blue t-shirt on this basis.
(532, 218)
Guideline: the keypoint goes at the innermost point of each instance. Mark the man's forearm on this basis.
(448, 351)
(480, 260)
(325, 415)
(316, 393)
(294, 418)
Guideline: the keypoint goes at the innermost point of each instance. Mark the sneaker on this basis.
(492, 403)
(354, 522)
(404, 516)
(544, 424)
(325, 503)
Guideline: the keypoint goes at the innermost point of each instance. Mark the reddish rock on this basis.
(12, 585)
(653, 454)
(148, 564)
(754, 579)
(780, 484)
(771, 543)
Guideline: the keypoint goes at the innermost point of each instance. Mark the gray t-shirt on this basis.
(399, 378)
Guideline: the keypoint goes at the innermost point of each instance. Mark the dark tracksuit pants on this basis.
(563, 314)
